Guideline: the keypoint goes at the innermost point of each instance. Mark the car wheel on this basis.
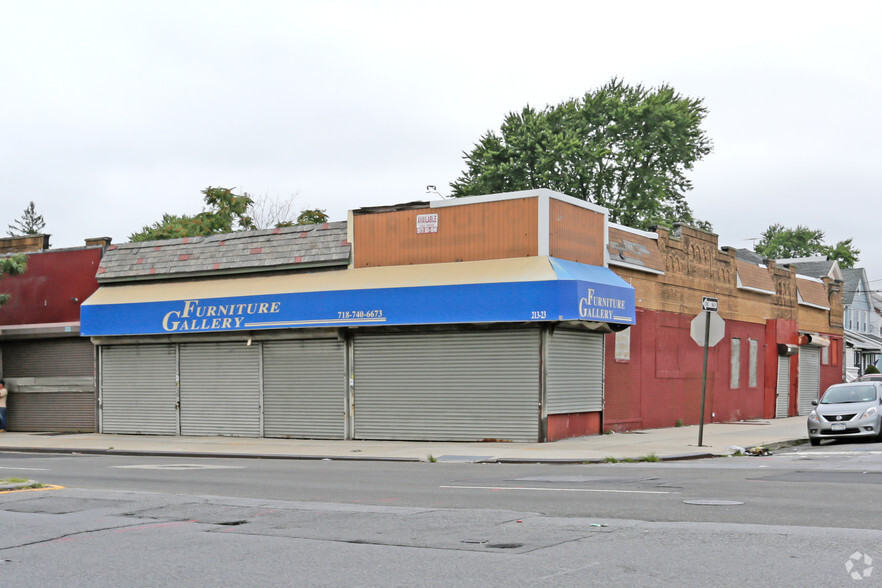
(814, 442)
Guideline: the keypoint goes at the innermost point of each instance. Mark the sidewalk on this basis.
(666, 444)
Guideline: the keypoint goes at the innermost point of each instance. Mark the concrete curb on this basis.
(216, 455)
(18, 485)
(134, 452)
(571, 461)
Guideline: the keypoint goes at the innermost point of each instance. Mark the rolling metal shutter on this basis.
(220, 389)
(304, 389)
(809, 377)
(49, 358)
(51, 384)
(782, 399)
(446, 386)
(69, 412)
(139, 390)
(575, 372)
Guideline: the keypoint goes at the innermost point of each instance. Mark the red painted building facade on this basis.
(49, 369)
(781, 347)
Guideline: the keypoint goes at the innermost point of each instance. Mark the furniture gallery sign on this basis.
(556, 300)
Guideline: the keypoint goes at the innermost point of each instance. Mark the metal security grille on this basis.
(575, 372)
(139, 391)
(220, 389)
(809, 377)
(464, 386)
(304, 389)
(49, 358)
(51, 384)
(71, 412)
(782, 400)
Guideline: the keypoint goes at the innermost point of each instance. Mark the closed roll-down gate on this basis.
(782, 398)
(304, 389)
(575, 372)
(139, 390)
(809, 377)
(51, 384)
(301, 385)
(220, 389)
(463, 386)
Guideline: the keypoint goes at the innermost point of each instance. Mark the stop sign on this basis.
(715, 328)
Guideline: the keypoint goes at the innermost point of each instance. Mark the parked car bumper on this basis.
(822, 429)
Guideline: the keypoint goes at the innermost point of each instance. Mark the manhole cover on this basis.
(713, 502)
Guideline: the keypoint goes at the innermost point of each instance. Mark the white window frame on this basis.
(735, 364)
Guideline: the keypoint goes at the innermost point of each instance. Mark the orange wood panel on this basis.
(576, 233)
(470, 232)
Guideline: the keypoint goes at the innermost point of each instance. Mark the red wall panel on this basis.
(52, 288)
(666, 367)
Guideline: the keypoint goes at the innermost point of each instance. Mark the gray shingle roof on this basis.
(749, 256)
(300, 246)
(852, 282)
(814, 267)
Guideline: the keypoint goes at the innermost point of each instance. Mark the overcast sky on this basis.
(117, 112)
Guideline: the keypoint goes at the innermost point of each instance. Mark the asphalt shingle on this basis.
(264, 250)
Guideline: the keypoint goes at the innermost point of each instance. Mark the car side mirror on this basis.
(814, 402)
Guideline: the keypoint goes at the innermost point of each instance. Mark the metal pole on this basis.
(704, 376)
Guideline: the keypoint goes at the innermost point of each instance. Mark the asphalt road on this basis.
(794, 518)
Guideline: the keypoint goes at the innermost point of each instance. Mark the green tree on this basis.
(11, 266)
(627, 148)
(312, 217)
(225, 212)
(30, 223)
(780, 242)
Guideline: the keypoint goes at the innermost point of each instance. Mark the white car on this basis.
(847, 410)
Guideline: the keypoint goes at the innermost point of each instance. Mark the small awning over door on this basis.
(503, 290)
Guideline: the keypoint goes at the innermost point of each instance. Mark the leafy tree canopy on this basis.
(30, 223)
(780, 242)
(627, 148)
(225, 212)
(312, 217)
(11, 266)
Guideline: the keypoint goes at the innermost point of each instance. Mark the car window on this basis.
(844, 394)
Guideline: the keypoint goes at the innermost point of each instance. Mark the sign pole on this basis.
(704, 376)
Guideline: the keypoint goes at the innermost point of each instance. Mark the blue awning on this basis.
(537, 289)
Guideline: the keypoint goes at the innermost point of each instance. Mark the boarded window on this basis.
(623, 345)
(825, 355)
(751, 375)
(667, 351)
(735, 377)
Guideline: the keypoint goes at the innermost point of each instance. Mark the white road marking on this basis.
(28, 469)
(556, 489)
(179, 466)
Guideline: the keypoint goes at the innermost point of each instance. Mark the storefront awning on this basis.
(535, 289)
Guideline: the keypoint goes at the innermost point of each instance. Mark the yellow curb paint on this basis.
(32, 489)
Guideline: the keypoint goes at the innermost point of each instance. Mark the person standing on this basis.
(3, 393)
